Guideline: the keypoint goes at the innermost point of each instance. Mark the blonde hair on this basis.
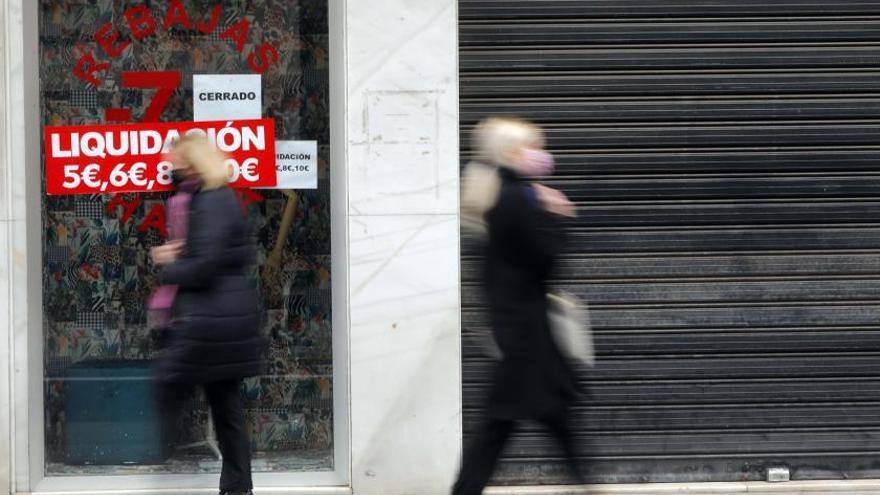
(204, 158)
(480, 187)
(496, 139)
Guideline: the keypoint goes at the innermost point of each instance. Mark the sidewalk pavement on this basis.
(860, 487)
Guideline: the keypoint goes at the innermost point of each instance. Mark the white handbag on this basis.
(570, 326)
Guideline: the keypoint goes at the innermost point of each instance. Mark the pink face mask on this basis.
(536, 163)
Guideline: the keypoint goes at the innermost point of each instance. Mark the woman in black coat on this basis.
(521, 224)
(214, 339)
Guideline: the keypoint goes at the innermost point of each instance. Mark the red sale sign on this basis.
(130, 157)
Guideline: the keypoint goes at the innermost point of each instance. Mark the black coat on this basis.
(215, 330)
(532, 380)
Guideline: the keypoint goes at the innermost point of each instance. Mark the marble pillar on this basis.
(402, 156)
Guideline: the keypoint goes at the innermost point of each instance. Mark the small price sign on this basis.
(296, 164)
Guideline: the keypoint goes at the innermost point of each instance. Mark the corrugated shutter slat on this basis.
(724, 158)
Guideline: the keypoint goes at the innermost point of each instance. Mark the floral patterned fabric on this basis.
(96, 272)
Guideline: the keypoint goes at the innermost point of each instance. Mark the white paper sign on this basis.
(227, 97)
(296, 164)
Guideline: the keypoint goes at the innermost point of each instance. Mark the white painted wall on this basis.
(5, 334)
(14, 204)
(20, 303)
(402, 136)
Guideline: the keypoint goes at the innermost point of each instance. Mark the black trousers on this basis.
(481, 455)
(228, 413)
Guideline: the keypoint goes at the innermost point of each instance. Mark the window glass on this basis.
(100, 417)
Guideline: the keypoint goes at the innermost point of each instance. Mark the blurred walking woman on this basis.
(521, 224)
(212, 339)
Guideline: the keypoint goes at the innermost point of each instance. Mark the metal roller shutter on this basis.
(724, 157)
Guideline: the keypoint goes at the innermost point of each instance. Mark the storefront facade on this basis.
(723, 157)
(357, 263)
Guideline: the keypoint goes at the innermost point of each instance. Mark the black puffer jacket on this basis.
(533, 380)
(215, 332)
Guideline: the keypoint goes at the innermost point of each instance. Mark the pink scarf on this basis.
(177, 210)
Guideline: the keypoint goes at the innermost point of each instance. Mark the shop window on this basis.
(96, 271)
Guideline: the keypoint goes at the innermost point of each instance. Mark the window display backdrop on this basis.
(97, 273)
